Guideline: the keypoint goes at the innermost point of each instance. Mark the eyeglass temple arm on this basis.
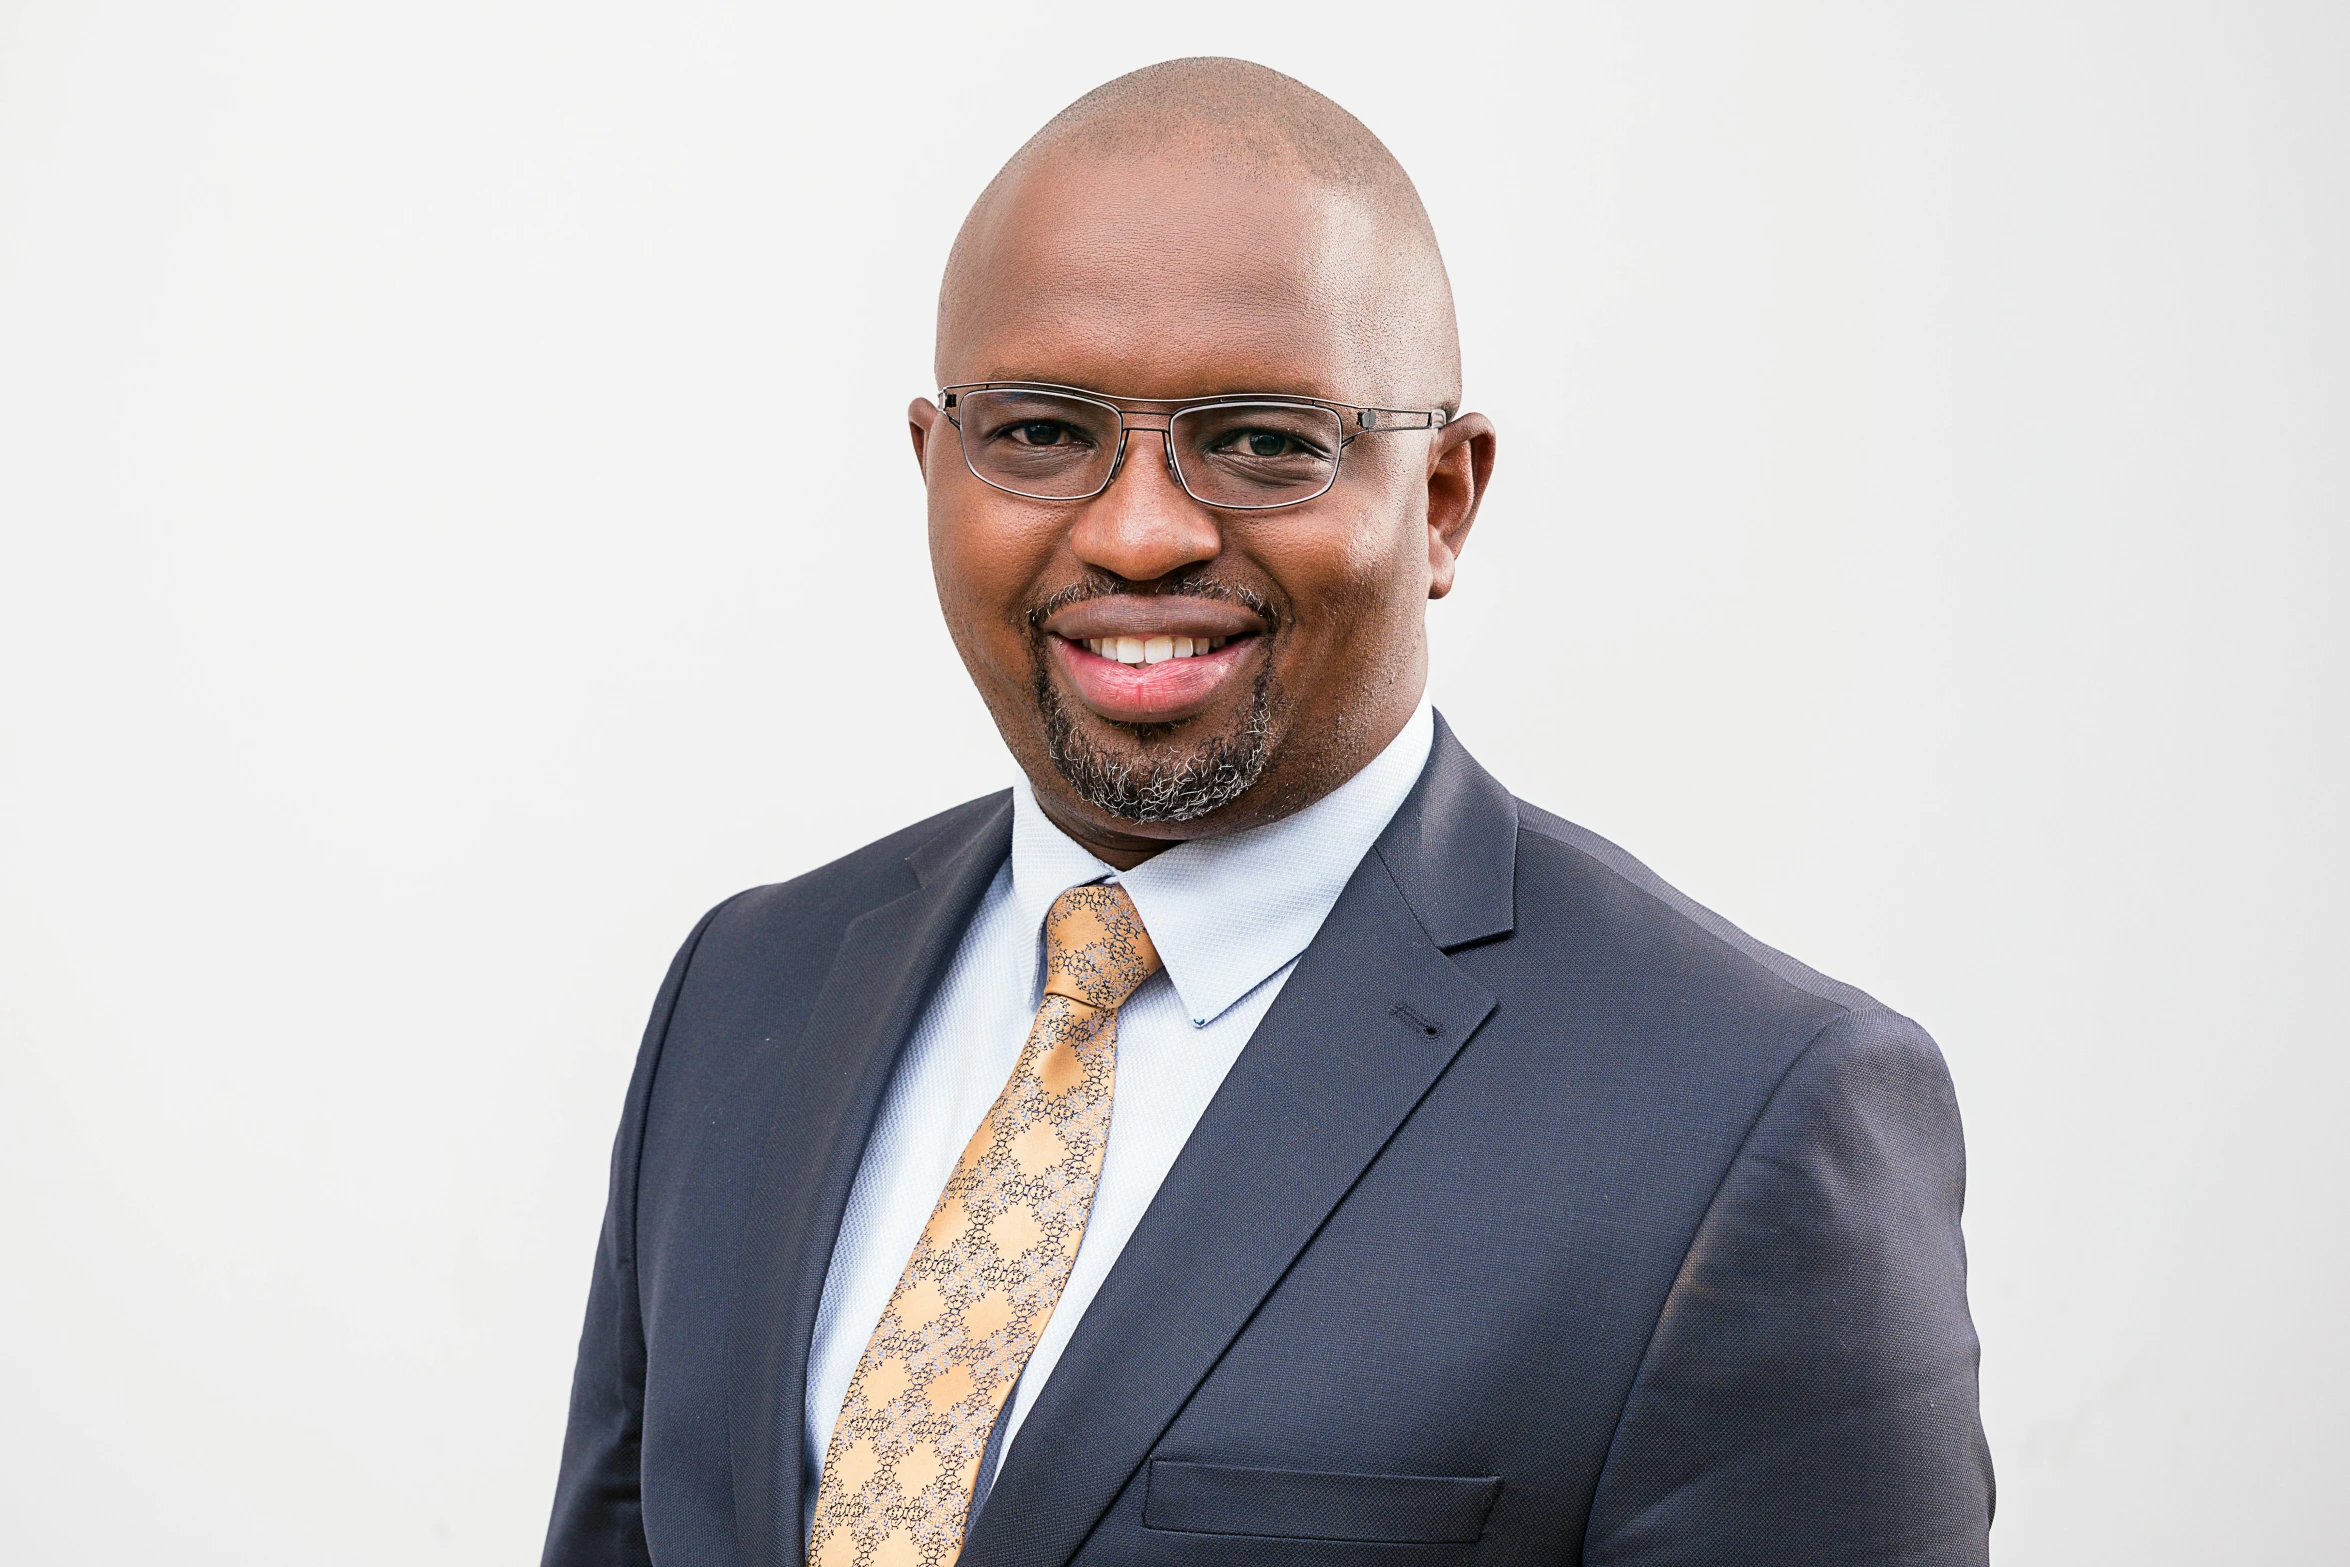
(1400, 418)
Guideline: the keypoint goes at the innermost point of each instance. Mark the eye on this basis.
(1042, 432)
(1261, 443)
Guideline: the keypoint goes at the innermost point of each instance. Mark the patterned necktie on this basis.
(975, 1296)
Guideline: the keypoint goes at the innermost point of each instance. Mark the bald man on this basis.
(1255, 1137)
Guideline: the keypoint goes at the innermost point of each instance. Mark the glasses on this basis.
(1240, 453)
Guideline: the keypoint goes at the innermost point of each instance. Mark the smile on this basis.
(1155, 658)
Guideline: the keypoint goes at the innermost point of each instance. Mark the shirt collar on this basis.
(1226, 913)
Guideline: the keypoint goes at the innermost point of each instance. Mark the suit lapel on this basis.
(1370, 1019)
(890, 960)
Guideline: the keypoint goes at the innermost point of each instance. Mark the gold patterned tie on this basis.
(975, 1296)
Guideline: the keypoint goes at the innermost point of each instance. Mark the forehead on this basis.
(1166, 280)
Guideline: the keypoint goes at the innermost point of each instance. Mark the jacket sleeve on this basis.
(599, 1504)
(1809, 1392)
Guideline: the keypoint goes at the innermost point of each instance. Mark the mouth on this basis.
(1154, 660)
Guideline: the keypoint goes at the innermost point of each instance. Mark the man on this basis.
(1257, 1137)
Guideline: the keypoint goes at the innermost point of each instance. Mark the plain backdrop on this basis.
(457, 524)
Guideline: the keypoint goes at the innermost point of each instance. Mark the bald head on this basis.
(1207, 226)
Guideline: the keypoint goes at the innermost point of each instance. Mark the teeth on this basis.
(1152, 650)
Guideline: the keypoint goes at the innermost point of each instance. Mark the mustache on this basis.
(1197, 585)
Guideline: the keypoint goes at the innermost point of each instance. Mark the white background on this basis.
(456, 524)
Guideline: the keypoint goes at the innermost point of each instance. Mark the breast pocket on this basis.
(1303, 1504)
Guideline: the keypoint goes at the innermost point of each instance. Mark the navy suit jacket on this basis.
(1546, 1218)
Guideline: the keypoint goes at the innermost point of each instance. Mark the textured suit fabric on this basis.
(1546, 1218)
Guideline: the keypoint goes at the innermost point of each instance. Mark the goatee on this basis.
(1181, 787)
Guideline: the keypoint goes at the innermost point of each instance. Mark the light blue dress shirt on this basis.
(1229, 915)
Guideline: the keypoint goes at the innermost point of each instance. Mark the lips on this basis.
(1136, 659)
(1161, 693)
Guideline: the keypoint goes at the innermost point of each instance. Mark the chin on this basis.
(1154, 774)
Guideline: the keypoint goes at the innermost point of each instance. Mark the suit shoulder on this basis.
(1640, 895)
(837, 892)
(1875, 1067)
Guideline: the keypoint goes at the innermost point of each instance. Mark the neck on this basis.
(1118, 850)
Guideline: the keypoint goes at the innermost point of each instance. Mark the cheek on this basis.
(1354, 568)
(986, 560)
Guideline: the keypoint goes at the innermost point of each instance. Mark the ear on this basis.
(922, 421)
(1460, 464)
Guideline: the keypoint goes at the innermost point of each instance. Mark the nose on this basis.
(1145, 526)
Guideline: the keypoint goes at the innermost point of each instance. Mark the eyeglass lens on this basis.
(1052, 446)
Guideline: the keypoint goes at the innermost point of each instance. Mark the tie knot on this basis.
(1095, 949)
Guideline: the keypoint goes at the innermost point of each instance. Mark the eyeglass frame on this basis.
(1366, 421)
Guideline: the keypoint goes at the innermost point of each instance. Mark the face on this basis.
(1305, 624)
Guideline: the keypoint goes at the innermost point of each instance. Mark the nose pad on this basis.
(1166, 436)
(1166, 452)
